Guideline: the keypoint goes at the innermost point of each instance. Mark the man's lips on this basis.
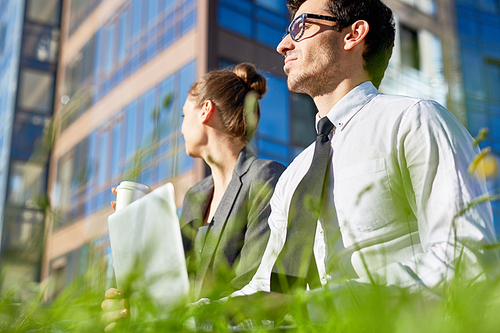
(289, 59)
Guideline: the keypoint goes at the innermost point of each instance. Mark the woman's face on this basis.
(192, 127)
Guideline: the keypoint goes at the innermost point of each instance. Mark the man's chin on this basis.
(296, 86)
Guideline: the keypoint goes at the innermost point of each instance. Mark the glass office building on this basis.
(478, 25)
(125, 70)
(29, 44)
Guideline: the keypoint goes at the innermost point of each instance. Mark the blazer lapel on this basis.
(221, 216)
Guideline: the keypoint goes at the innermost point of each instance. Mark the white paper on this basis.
(145, 238)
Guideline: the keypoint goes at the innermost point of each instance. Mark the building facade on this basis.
(125, 70)
(29, 44)
(478, 24)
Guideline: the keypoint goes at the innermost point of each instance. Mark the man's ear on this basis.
(356, 35)
(207, 111)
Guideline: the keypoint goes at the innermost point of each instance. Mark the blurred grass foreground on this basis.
(352, 307)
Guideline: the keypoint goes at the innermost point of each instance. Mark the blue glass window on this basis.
(98, 52)
(123, 35)
(100, 200)
(24, 137)
(87, 208)
(151, 50)
(469, 3)
(136, 20)
(473, 80)
(131, 119)
(240, 5)
(76, 167)
(166, 92)
(111, 44)
(495, 127)
(490, 6)
(146, 177)
(118, 41)
(303, 120)
(276, 5)
(139, 121)
(476, 122)
(147, 118)
(117, 144)
(273, 150)
(491, 27)
(273, 19)
(188, 22)
(153, 10)
(165, 165)
(168, 36)
(134, 63)
(493, 78)
(274, 119)
(187, 4)
(466, 26)
(262, 20)
(103, 159)
(269, 35)
(103, 49)
(91, 157)
(183, 162)
(145, 14)
(169, 5)
(187, 76)
(235, 21)
(88, 58)
(495, 110)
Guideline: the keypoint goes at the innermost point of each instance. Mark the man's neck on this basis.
(325, 102)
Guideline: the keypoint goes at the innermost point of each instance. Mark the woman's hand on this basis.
(113, 203)
(116, 308)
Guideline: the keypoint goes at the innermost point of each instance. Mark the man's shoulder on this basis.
(401, 100)
(401, 103)
(409, 109)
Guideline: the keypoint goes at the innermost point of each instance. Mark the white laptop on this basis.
(146, 246)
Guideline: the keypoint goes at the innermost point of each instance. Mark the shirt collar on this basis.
(350, 104)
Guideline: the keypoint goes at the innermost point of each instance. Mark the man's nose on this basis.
(285, 45)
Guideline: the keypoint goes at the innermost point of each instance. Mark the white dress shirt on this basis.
(398, 185)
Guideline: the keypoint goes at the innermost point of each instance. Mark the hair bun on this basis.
(248, 73)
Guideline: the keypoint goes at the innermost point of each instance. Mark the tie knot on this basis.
(325, 126)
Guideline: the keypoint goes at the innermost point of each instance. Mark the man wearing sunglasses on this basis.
(393, 200)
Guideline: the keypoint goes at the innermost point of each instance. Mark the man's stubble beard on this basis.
(320, 78)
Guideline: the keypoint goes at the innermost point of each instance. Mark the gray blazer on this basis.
(234, 244)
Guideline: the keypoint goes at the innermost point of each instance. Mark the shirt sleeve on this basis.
(434, 152)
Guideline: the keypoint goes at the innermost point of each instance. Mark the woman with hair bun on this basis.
(224, 217)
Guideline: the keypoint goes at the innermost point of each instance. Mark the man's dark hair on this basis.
(379, 41)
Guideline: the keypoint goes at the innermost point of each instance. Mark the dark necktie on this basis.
(295, 265)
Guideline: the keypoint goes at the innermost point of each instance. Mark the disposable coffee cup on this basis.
(127, 192)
